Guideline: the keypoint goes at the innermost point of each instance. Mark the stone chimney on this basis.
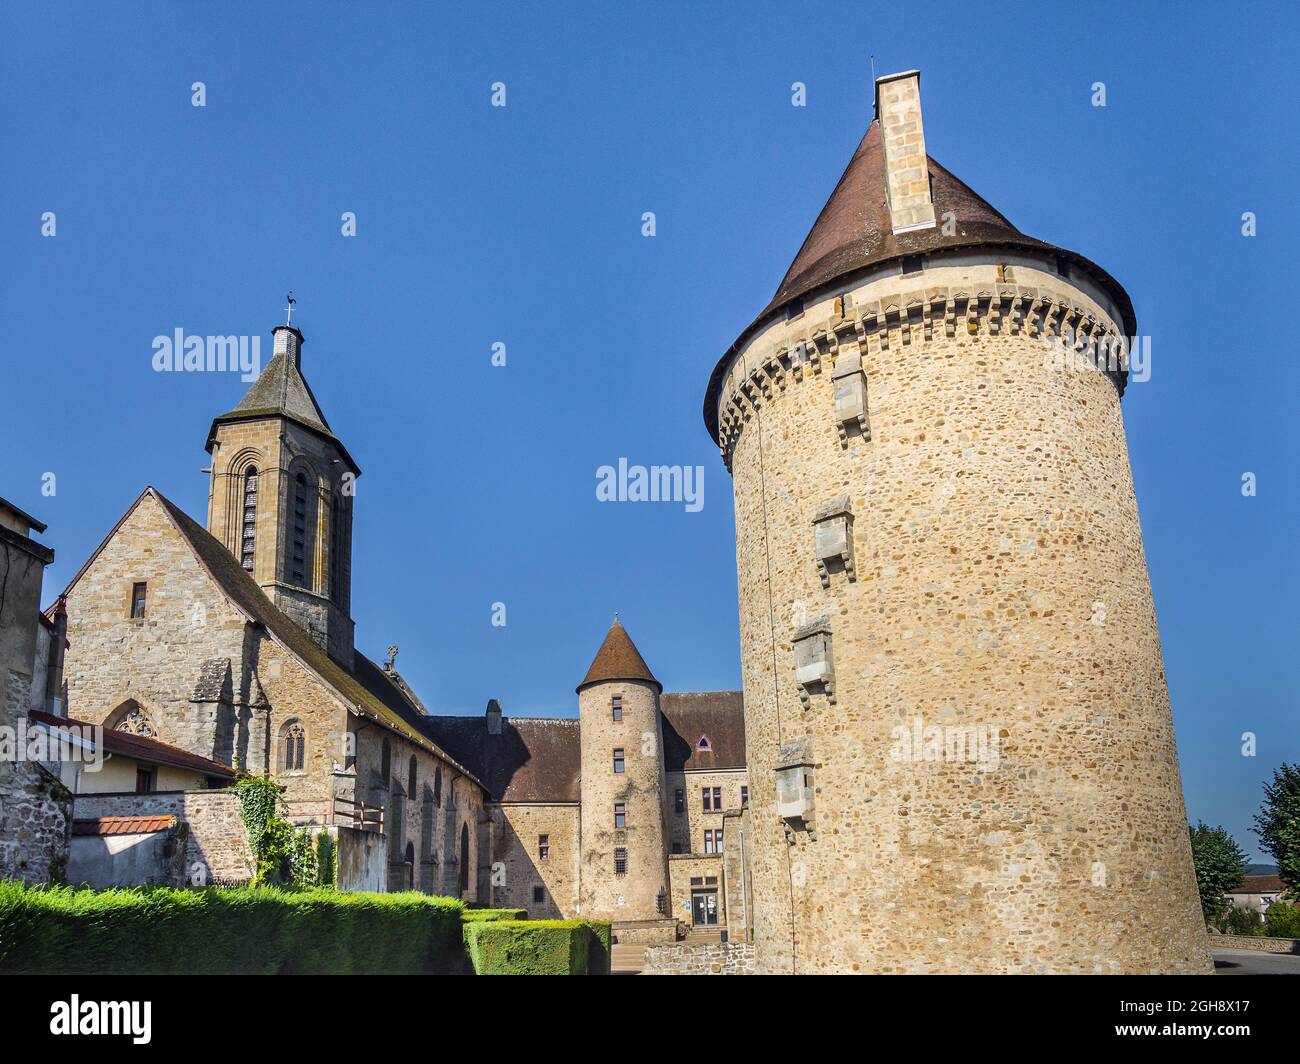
(493, 717)
(898, 109)
(288, 341)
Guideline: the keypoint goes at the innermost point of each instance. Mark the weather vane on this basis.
(289, 310)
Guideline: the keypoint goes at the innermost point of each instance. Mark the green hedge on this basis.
(538, 947)
(470, 916)
(239, 931)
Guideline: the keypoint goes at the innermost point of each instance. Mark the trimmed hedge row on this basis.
(236, 931)
(538, 947)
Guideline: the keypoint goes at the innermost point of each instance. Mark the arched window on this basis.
(336, 550)
(249, 525)
(300, 516)
(293, 747)
(704, 746)
(410, 866)
(410, 778)
(133, 720)
(463, 871)
(437, 786)
(386, 761)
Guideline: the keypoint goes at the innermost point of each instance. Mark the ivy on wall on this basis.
(285, 855)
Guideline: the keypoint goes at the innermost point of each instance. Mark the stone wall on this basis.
(517, 866)
(1000, 587)
(705, 958)
(682, 869)
(216, 842)
(35, 821)
(1256, 943)
(635, 894)
(688, 826)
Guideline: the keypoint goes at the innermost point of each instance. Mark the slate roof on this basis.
(140, 747)
(689, 716)
(618, 659)
(365, 687)
(282, 391)
(534, 759)
(853, 232)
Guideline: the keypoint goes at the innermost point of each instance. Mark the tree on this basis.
(1220, 864)
(1278, 825)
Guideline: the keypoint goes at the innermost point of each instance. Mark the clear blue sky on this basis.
(522, 225)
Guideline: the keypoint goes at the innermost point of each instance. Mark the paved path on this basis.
(1248, 962)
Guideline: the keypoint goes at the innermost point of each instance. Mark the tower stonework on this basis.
(281, 497)
(623, 870)
(960, 745)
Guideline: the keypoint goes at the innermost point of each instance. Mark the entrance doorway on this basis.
(704, 908)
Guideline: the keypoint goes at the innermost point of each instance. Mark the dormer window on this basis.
(704, 746)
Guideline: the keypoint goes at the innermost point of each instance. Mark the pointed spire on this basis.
(618, 659)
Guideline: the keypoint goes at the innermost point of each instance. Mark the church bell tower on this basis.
(281, 497)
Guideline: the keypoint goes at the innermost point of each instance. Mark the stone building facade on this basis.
(235, 643)
(35, 808)
(960, 743)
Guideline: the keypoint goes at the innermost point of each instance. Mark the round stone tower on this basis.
(960, 745)
(623, 870)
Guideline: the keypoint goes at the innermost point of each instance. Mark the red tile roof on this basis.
(618, 659)
(122, 825)
(1258, 885)
(142, 748)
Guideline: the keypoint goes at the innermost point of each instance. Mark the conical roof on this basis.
(618, 659)
(853, 232)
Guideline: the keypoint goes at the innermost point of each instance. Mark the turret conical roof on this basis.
(853, 232)
(618, 659)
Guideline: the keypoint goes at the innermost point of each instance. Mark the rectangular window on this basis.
(620, 861)
(712, 799)
(617, 707)
(539, 894)
(707, 794)
(911, 263)
(677, 846)
(139, 592)
(543, 847)
(618, 759)
(713, 840)
(679, 800)
(144, 780)
(620, 814)
(744, 796)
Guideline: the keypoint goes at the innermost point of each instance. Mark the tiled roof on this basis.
(853, 232)
(689, 716)
(122, 825)
(534, 759)
(364, 687)
(140, 747)
(618, 659)
(1258, 885)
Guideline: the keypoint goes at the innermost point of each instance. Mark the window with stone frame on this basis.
(679, 800)
(616, 707)
(620, 814)
(248, 527)
(437, 786)
(620, 861)
(543, 847)
(139, 597)
(712, 799)
(539, 895)
(336, 550)
(411, 777)
(619, 761)
(293, 747)
(713, 840)
(301, 513)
